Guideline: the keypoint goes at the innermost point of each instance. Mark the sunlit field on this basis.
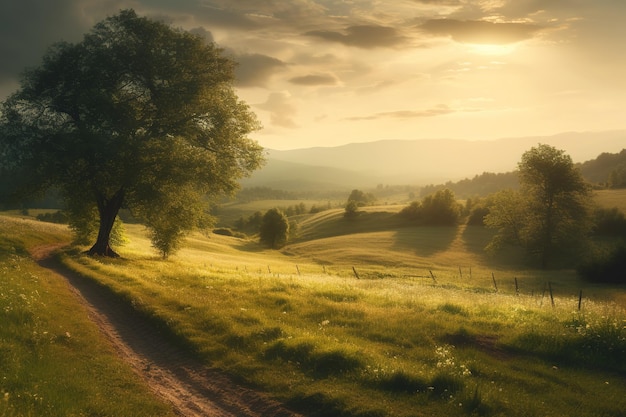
(431, 326)
(611, 198)
(53, 360)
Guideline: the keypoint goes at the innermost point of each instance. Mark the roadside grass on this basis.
(53, 361)
(395, 342)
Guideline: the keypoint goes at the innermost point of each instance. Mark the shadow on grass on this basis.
(425, 240)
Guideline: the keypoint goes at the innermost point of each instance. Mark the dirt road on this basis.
(191, 387)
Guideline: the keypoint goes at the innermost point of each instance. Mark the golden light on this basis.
(491, 48)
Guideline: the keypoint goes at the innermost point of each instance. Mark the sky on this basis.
(331, 72)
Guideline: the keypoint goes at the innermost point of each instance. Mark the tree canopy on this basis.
(551, 212)
(437, 209)
(137, 115)
(274, 230)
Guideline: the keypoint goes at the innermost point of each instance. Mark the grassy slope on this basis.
(612, 198)
(53, 361)
(299, 325)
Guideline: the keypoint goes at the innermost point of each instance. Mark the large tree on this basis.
(551, 214)
(138, 115)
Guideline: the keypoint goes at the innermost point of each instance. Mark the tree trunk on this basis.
(108, 209)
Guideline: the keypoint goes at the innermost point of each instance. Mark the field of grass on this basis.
(53, 361)
(299, 325)
(611, 198)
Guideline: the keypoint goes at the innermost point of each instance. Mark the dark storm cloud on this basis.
(476, 31)
(28, 28)
(314, 80)
(362, 36)
(254, 70)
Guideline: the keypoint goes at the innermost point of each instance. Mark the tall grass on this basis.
(53, 361)
(395, 342)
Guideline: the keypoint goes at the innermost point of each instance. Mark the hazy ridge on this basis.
(417, 162)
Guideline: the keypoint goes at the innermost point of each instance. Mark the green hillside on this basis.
(372, 317)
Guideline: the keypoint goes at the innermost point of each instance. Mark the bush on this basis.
(477, 216)
(274, 230)
(361, 198)
(58, 217)
(438, 209)
(352, 210)
(609, 222)
(606, 266)
(223, 231)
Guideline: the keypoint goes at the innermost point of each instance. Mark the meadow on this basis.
(431, 325)
(53, 360)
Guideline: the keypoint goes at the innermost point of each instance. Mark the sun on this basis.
(492, 48)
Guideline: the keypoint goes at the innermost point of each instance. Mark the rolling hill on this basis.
(417, 162)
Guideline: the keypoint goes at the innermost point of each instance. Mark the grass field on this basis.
(53, 361)
(432, 326)
(299, 324)
(611, 198)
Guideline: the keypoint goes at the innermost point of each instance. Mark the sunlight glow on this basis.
(492, 49)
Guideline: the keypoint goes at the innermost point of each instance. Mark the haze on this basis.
(327, 72)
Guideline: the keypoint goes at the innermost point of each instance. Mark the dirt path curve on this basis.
(191, 387)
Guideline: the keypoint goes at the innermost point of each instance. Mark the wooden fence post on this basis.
(432, 275)
(516, 287)
(298, 269)
(580, 299)
(493, 277)
(355, 273)
(551, 295)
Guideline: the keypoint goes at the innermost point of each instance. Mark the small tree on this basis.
(551, 214)
(352, 210)
(437, 209)
(361, 198)
(441, 209)
(507, 213)
(274, 230)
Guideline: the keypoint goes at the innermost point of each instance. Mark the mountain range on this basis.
(416, 162)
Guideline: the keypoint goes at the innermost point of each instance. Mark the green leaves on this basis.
(550, 215)
(136, 106)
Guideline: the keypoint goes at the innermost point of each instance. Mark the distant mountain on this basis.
(417, 162)
(295, 176)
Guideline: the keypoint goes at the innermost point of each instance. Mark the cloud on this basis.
(203, 33)
(282, 111)
(27, 29)
(439, 110)
(362, 36)
(479, 31)
(254, 70)
(314, 80)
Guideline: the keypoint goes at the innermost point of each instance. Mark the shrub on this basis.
(352, 210)
(223, 231)
(361, 198)
(274, 229)
(412, 211)
(58, 217)
(438, 209)
(607, 265)
(609, 222)
(477, 216)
